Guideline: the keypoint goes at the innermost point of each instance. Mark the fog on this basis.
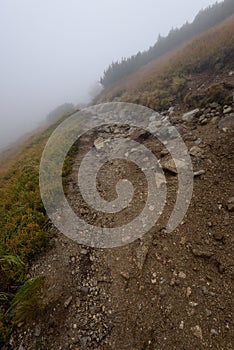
(54, 51)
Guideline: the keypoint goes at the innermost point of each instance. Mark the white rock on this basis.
(181, 326)
(188, 117)
(227, 110)
(182, 275)
(99, 143)
(199, 173)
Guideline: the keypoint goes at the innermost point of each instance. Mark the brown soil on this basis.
(165, 291)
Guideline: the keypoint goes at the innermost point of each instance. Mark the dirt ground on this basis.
(162, 292)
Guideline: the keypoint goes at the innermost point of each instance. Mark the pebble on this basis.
(201, 253)
(68, 302)
(182, 275)
(193, 304)
(181, 326)
(205, 290)
(196, 151)
(85, 290)
(37, 331)
(164, 153)
(218, 236)
(125, 275)
(214, 332)
(73, 259)
(99, 143)
(227, 123)
(171, 166)
(198, 141)
(188, 292)
(214, 105)
(84, 341)
(21, 347)
(197, 331)
(208, 313)
(230, 204)
(199, 173)
(78, 302)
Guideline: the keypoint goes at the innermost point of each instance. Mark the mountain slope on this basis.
(210, 17)
(164, 291)
(165, 81)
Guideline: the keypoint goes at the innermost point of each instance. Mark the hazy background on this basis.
(53, 51)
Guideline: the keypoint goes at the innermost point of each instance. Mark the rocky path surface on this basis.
(164, 291)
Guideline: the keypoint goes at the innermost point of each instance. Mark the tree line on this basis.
(205, 19)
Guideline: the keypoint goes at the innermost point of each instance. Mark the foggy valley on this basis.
(55, 52)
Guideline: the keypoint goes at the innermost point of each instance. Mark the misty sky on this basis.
(53, 51)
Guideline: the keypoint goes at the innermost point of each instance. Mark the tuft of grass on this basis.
(13, 268)
(28, 301)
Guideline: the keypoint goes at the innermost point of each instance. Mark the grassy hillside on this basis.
(23, 231)
(166, 80)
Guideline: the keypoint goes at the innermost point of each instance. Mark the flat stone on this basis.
(99, 143)
(227, 123)
(196, 151)
(188, 117)
(171, 166)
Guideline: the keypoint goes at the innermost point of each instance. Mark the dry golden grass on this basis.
(160, 81)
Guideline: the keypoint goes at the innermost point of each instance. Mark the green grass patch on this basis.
(23, 232)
